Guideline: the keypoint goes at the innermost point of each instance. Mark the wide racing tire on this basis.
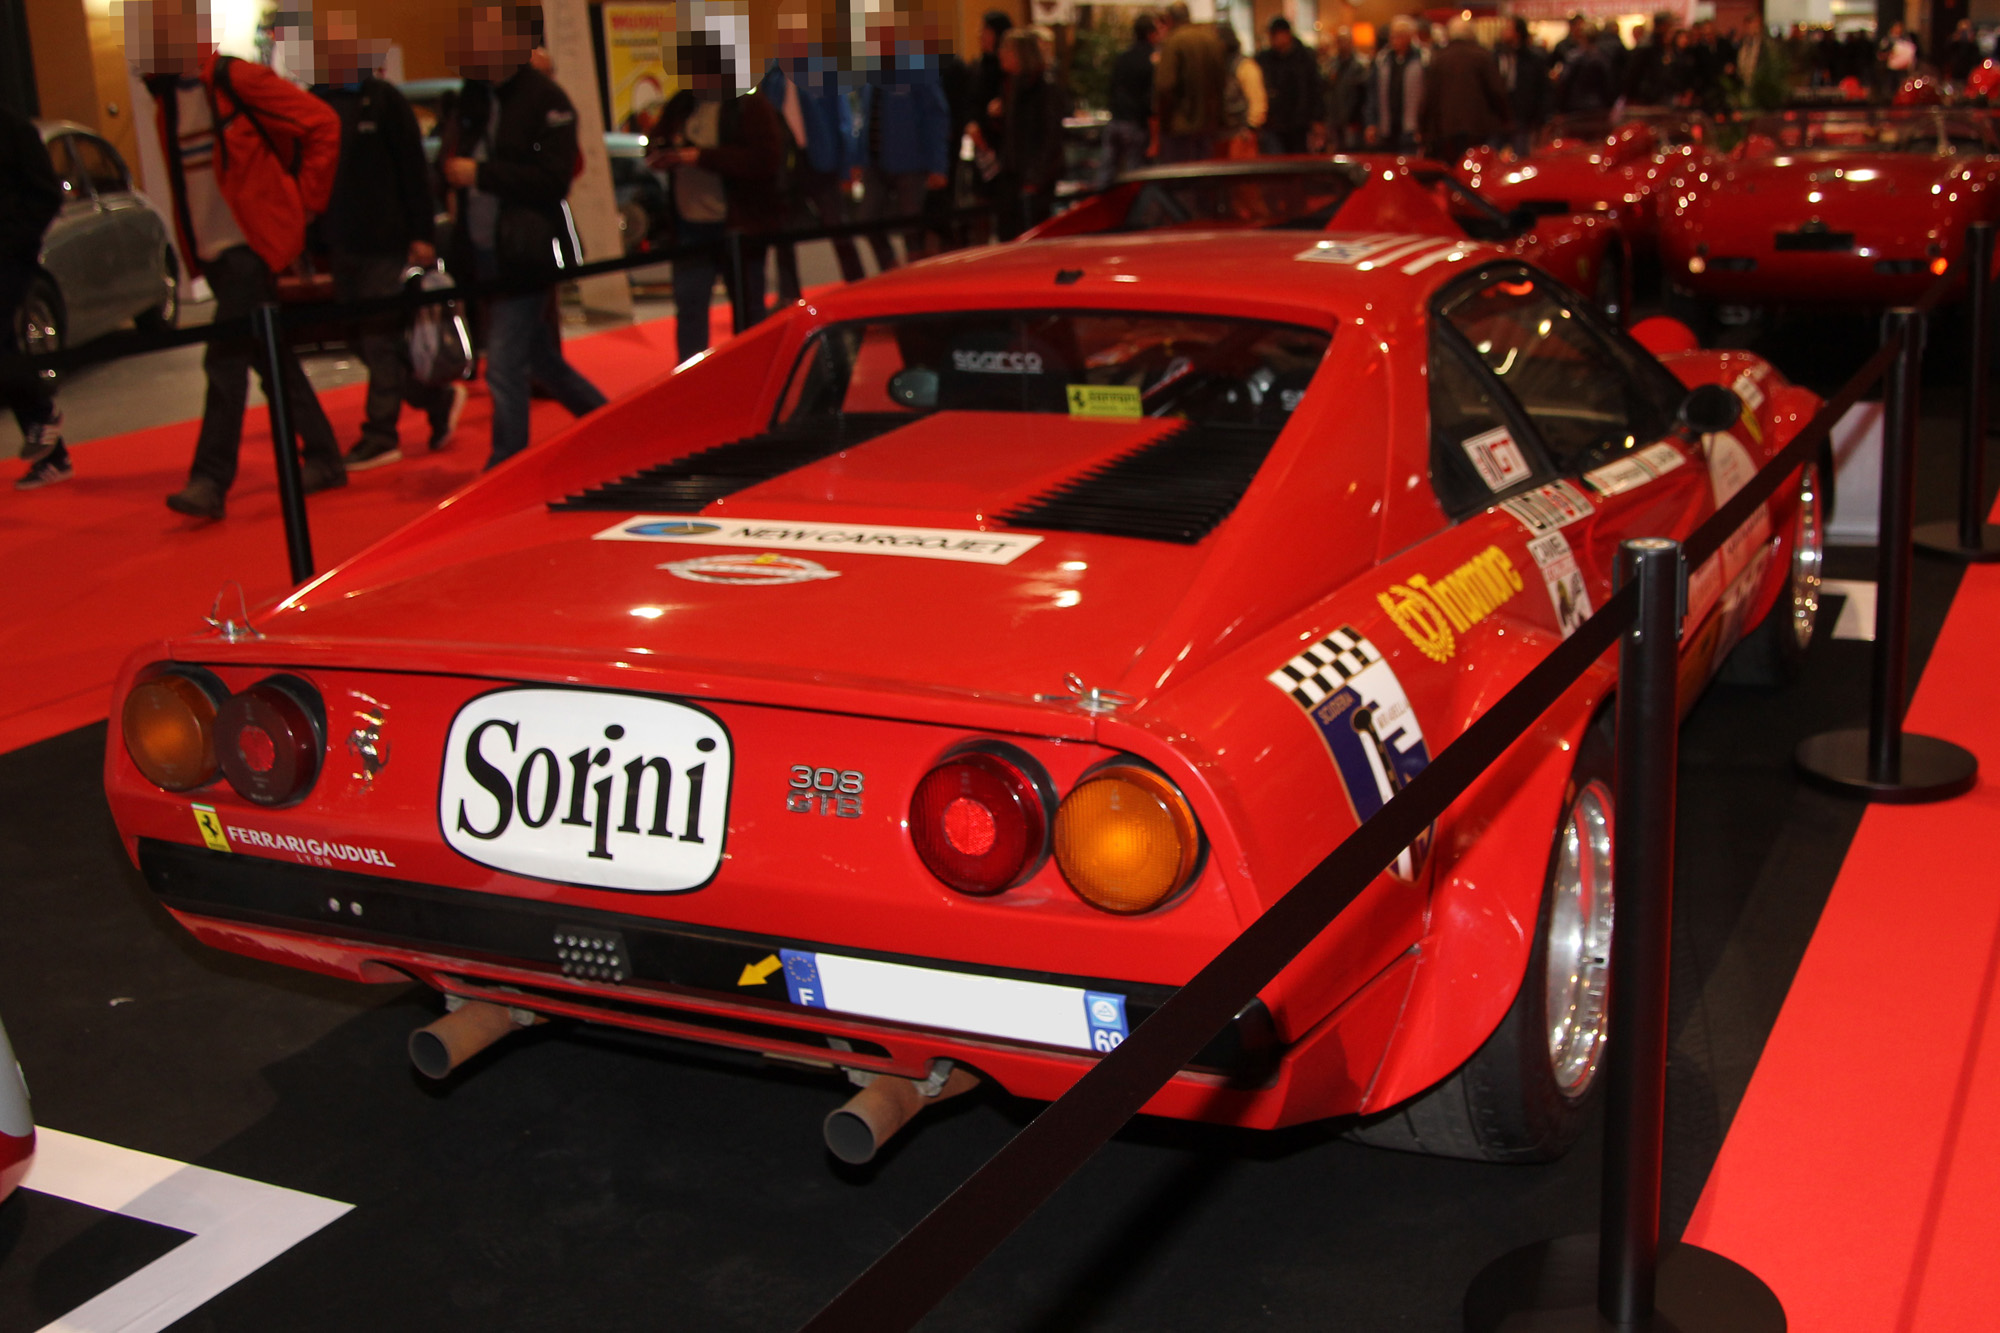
(1524, 1095)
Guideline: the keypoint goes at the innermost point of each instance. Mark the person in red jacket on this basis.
(250, 160)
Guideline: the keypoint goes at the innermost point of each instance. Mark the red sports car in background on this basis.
(17, 1123)
(1358, 195)
(1847, 206)
(933, 678)
(1599, 164)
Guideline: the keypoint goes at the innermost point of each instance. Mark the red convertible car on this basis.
(1847, 206)
(1599, 164)
(17, 1124)
(927, 682)
(1379, 193)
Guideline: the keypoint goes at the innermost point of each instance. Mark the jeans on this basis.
(1124, 150)
(523, 347)
(29, 396)
(694, 283)
(241, 283)
(897, 195)
(383, 350)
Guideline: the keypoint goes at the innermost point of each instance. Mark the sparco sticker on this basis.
(614, 791)
(1567, 592)
(997, 363)
(1364, 717)
(970, 545)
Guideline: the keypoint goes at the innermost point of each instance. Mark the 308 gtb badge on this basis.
(616, 791)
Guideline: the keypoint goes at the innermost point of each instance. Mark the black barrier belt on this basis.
(906, 1282)
(118, 345)
(917, 1272)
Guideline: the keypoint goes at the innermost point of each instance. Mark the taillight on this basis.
(169, 727)
(1126, 839)
(980, 819)
(270, 740)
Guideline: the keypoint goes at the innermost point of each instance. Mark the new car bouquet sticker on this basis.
(1353, 697)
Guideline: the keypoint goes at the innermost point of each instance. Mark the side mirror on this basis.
(1710, 408)
(915, 387)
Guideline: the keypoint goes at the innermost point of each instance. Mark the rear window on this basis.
(1221, 372)
(1299, 200)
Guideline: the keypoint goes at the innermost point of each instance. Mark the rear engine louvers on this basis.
(689, 483)
(1176, 489)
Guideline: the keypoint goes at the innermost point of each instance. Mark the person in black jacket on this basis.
(1031, 145)
(1524, 71)
(1291, 83)
(1126, 137)
(29, 201)
(379, 222)
(509, 154)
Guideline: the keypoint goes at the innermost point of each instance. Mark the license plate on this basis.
(1005, 1007)
(588, 787)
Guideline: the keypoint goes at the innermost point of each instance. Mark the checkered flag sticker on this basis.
(1325, 667)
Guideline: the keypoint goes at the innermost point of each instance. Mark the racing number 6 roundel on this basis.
(590, 787)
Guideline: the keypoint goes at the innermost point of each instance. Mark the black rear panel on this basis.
(690, 483)
(1176, 489)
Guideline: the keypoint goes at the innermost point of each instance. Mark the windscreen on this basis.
(1915, 130)
(1209, 371)
(1295, 200)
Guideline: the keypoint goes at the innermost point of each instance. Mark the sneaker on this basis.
(320, 476)
(38, 442)
(200, 498)
(372, 452)
(47, 472)
(441, 432)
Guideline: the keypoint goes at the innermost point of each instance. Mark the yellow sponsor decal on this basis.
(1432, 613)
(1105, 400)
(210, 825)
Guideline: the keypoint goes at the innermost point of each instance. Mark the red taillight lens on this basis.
(169, 727)
(270, 742)
(979, 822)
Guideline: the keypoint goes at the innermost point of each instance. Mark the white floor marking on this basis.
(1857, 612)
(238, 1226)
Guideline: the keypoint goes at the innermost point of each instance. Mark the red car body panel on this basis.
(1858, 224)
(1584, 165)
(885, 667)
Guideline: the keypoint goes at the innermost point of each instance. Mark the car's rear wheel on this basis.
(1771, 654)
(167, 313)
(1522, 1097)
(38, 328)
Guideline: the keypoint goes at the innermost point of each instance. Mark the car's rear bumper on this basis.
(1759, 275)
(745, 991)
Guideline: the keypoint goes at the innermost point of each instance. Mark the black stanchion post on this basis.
(1882, 762)
(291, 485)
(1621, 1278)
(1972, 537)
(739, 299)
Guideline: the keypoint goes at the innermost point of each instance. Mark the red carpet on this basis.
(1860, 1174)
(98, 565)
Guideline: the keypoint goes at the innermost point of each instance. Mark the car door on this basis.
(71, 246)
(1600, 410)
(132, 244)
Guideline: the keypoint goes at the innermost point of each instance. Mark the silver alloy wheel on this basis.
(169, 309)
(1808, 553)
(1579, 941)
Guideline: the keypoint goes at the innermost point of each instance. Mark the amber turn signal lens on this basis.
(1126, 840)
(169, 726)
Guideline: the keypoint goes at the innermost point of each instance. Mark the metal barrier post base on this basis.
(1551, 1287)
(1930, 769)
(1945, 539)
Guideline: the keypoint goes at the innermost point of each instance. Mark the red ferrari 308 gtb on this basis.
(930, 680)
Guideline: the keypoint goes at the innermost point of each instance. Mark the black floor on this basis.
(580, 1178)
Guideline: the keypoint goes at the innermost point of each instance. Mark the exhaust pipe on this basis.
(469, 1028)
(886, 1103)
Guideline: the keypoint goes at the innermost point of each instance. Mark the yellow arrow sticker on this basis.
(1105, 400)
(756, 974)
(210, 825)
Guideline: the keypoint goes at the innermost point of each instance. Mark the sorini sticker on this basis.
(1353, 697)
(1497, 457)
(750, 571)
(1568, 593)
(1548, 508)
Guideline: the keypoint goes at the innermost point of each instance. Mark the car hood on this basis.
(777, 584)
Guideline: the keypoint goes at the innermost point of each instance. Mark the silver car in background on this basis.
(108, 257)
